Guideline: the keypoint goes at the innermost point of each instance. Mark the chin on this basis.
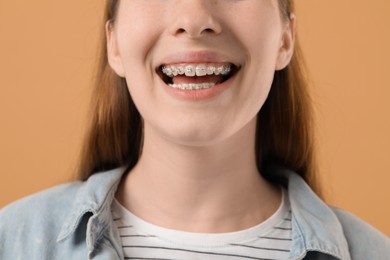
(195, 134)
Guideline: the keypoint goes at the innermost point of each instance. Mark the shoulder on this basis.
(364, 241)
(36, 221)
(53, 224)
(331, 228)
(51, 201)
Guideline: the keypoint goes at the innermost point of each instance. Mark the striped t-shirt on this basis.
(270, 239)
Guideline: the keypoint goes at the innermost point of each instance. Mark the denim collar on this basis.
(314, 225)
(94, 198)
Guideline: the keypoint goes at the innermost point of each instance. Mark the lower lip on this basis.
(199, 94)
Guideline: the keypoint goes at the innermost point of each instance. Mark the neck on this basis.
(215, 188)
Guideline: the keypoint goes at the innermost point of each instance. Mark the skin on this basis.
(197, 171)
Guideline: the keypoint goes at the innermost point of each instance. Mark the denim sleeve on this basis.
(29, 227)
(22, 235)
(364, 241)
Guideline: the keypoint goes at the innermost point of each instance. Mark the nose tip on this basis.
(196, 31)
(195, 18)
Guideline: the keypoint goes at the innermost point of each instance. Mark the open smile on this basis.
(196, 76)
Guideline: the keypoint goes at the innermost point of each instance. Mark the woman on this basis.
(200, 147)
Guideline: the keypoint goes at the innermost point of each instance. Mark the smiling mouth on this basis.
(196, 76)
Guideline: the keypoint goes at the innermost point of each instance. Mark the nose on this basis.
(195, 18)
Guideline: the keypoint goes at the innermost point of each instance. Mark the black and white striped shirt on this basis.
(270, 239)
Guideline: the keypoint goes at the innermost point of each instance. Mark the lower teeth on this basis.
(192, 86)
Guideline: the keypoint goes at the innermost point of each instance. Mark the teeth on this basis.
(201, 70)
(180, 70)
(192, 86)
(196, 70)
(168, 71)
(211, 70)
(190, 71)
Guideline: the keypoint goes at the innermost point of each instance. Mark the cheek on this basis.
(259, 68)
(262, 41)
(134, 44)
(259, 72)
(138, 29)
(259, 31)
(262, 45)
(137, 39)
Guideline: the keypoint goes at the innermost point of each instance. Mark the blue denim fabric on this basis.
(73, 221)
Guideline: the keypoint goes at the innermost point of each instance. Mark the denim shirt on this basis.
(73, 221)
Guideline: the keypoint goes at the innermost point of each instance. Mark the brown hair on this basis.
(284, 126)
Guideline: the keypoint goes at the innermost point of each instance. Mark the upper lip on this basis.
(197, 57)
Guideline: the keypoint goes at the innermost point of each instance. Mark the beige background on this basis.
(47, 50)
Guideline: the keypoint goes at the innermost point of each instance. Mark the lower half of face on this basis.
(200, 116)
(196, 75)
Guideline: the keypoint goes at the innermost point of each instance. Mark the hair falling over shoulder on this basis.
(284, 125)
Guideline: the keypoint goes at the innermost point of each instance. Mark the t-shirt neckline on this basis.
(145, 228)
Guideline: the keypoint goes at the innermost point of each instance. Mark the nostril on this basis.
(205, 30)
(208, 30)
(180, 31)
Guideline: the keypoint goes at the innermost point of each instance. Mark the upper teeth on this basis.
(192, 70)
